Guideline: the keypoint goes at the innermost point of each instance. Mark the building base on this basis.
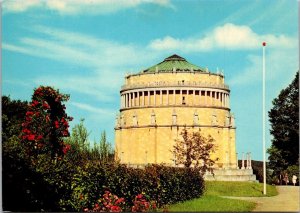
(231, 175)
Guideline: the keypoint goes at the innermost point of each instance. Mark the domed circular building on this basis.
(158, 102)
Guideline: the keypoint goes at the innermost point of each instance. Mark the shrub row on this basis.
(159, 183)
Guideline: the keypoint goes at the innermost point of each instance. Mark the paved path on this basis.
(287, 200)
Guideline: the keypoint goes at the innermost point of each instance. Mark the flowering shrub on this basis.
(46, 123)
(140, 204)
(111, 203)
(108, 203)
(164, 185)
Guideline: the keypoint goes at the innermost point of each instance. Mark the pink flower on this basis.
(115, 209)
(46, 106)
(26, 130)
(65, 133)
(29, 113)
(56, 124)
(66, 148)
(120, 200)
(31, 137)
(34, 103)
(139, 196)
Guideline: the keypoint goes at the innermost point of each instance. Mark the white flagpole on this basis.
(264, 119)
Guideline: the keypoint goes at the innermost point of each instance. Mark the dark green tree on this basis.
(13, 115)
(284, 119)
(28, 186)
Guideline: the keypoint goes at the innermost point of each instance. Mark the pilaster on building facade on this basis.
(159, 102)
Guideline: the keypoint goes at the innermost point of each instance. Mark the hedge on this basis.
(165, 185)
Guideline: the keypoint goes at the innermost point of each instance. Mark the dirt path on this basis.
(287, 200)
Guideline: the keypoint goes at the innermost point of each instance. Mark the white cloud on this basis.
(228, 36)
(74, 7)
(20, 5)
(17, 82)
(95, 86)
(80, 49)
(281, 66)
(109, 60)
(103, 62)
(92, 109)
(15, 48)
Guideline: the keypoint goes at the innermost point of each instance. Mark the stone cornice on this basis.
(175, 126)
(177, 106)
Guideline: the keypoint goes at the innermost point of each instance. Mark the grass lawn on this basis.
(211, 200)
(213, 203)
(238, 189)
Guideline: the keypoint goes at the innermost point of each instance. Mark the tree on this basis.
(28, 185)
(13, 115)
(284, 119)
(194, 149)
(46, 123)
(105, 148)
(78, 141)
(80, 147)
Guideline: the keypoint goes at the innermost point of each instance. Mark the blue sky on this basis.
(85, 48)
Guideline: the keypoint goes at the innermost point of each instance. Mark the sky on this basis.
(85, 48)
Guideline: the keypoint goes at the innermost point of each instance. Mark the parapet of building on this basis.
(158, 102)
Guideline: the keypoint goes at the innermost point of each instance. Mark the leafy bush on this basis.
(165, 185)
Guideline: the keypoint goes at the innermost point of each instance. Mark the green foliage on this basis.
(293, 170)
(284, 118)
(78, 141)
(81, 151)
(77, 179)
(36, 183)
(166, 185)
(105, 148)
(13, 115)
(194, 149)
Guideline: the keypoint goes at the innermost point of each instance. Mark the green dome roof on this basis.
(174, 63)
